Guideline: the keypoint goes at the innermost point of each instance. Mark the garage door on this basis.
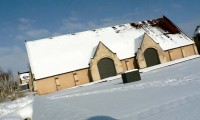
(106, 68)
(151, 57)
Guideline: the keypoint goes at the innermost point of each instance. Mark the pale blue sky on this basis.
(35, 19)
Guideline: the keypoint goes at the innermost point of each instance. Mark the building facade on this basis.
(196, 38)
(70, 60)
(24, 81)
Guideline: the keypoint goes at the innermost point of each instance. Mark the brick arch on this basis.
(148, 42)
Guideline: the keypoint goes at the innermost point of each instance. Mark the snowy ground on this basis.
(15, 108)
(168, 93)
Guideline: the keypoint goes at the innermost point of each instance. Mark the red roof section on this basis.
(163, 23)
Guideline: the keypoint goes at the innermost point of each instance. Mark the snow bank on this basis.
(18, 109)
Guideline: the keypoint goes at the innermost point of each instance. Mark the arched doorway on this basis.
(106, 68)
(151, 57)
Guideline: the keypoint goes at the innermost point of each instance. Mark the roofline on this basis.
(92, 30)
(197, 27)
(180, 46)
(100, 42)
(62, 73)
(24, 72)
(29, 57)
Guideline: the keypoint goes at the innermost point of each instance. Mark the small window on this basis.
(75, 77)
(56, 77)
(127, 65)
(57, 82)
(76, 80)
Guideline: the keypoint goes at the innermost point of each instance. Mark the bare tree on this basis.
(8, 86)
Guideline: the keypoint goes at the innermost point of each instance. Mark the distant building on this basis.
(197, 38)
(24, 81)
(74, 59)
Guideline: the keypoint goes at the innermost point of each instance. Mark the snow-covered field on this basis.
(15, 109)
(168, 93)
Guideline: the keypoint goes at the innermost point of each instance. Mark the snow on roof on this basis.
(166, 40)
(24, 76)
(61, 54)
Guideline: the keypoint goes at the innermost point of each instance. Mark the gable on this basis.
(167, 41)
(149, 43)
(146, 43)
(101, 49)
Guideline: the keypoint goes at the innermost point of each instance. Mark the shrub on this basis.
(8, 86)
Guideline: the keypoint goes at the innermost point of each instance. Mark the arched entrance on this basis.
(106, 68)
(151, 57)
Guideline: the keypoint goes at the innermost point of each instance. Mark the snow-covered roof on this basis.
(167, 41)
(61, 54)
(24, 76)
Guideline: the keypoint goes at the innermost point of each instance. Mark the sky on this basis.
(29, 20)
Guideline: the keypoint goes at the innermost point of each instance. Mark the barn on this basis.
(73, 59)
